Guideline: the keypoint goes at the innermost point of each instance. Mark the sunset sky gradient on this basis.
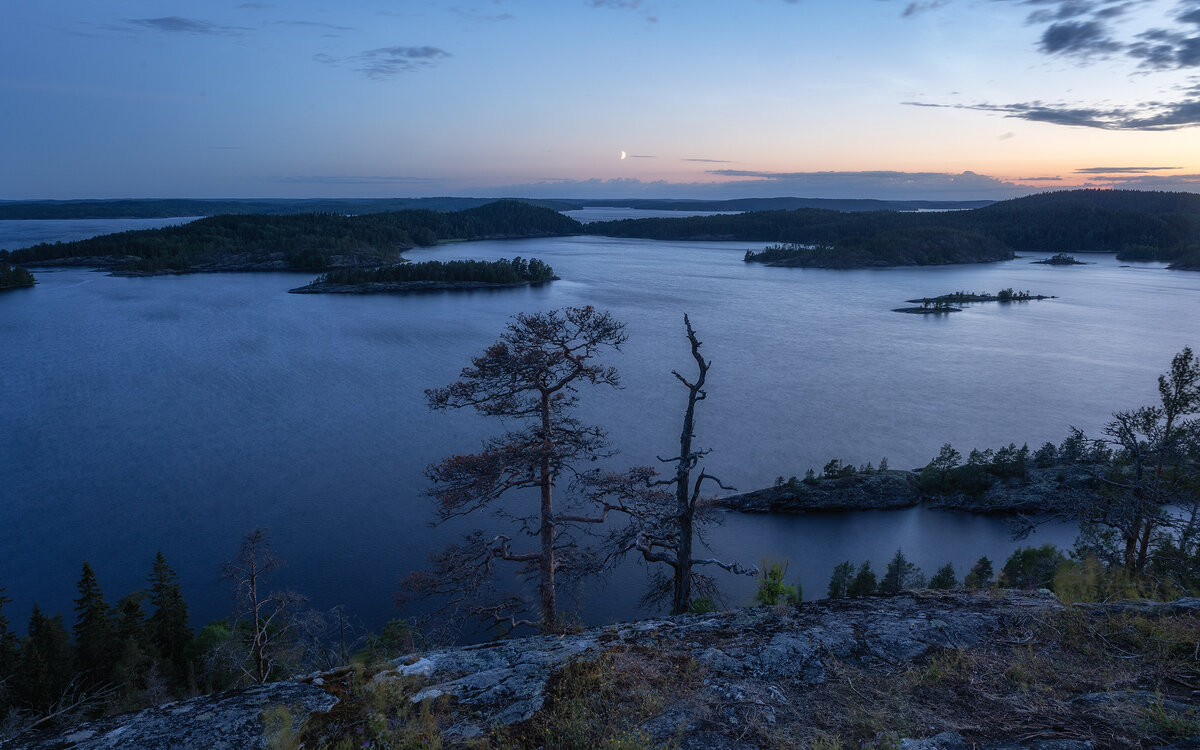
(952, 99)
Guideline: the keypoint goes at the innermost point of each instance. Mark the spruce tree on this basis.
(864, 581)
(95, 639)
(133, 660)
(980, 576)
(944, 578)
(45, 669)
(839, 582)
(900, 575)
(169, 631)
(10, 653)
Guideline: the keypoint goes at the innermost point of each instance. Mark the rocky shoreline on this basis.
(1038, 492)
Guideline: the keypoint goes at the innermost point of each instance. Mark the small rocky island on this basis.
(14, 277)
(1061, 259)
(945, 303)
(431, 276)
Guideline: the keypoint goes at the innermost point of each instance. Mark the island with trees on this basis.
(1136, 225)
(431, 275)
(1060, 259)
(14, 277)
(945, 303)
(314, 241)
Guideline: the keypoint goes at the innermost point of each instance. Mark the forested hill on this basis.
(305, 241)
(1135, 224)
(154, 208)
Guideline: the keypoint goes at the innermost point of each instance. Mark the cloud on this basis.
(1038, 179)
(1123, 170)
(178, 25)
(641, 156)
(1077, 38)
(312, 25)
(1145, 116)
(913, 9)
(758, 184)
(351, 180)
(474, 15)
(709, 161)
(631, 5)
(386, 62)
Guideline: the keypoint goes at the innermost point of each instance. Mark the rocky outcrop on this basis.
(927, 670)
(886, 490)
(222, 721)
(1042, 490)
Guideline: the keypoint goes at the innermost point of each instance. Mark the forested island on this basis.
(1136, 225)
(431, 275)
(14, 277)
(1061, 259)
(314, 241)
(945, 302)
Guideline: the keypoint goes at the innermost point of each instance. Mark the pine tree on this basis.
(46, 666)
(980, 576)
(95, 639)
(169, 631)
(133, 659)
(839, 583)
(900, 575)
(864, 581)
(10, 654)
(944, 578)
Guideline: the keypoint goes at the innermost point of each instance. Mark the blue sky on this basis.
(705, 99)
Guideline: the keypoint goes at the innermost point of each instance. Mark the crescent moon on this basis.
(622, 154)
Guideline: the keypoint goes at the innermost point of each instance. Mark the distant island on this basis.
(312, 242)
(1061, 259)
(14, 277)
(431, 275)
(1136, 225)
(944, 303)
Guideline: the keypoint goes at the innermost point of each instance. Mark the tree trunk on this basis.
(549, 603)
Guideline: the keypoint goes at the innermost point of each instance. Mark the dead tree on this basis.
(267, 613)
(530, 376)
(664, 523)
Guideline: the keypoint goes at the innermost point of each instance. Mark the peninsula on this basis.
(1136, 225)
(312, 242)
(14, 277)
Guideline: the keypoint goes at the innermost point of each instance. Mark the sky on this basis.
(939, 99)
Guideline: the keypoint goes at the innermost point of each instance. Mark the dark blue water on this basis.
(181, 412)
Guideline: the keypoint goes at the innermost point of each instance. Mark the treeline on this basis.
(312, 241)
(1074, 577)
(501, 271)
(142, 651)
(1135, 224)
(155, 208)
(14, 277)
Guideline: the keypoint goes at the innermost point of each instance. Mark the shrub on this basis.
(944, 578)
(771, 588)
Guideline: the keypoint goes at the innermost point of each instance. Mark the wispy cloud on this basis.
(382, 180)
(180, 25)
(631, 5)
(476, 16)
(1039, 179)
(386, 62)
(312, 25)
(1124, 170)
(1143, 116)
(709, 161)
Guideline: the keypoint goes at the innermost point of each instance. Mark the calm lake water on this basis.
(181, 412)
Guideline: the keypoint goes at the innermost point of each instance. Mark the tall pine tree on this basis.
(10, 653)
(46, 666)
(95, 639)
(169, 631)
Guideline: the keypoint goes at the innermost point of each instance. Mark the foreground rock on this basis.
(222, 721)
(923, 671)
